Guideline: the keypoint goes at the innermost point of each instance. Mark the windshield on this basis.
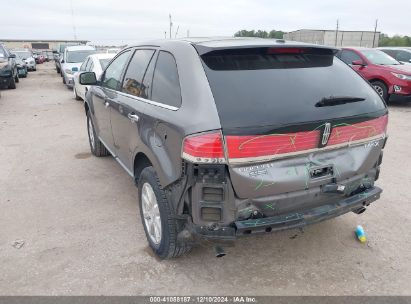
(78, 56)
(379, 57)
(260, 88)
(104, 63)
(23, 55)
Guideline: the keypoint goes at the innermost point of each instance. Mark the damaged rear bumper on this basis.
(224, 235)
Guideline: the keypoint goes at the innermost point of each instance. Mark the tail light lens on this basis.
(204, 148)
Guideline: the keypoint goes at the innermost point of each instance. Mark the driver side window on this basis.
(112, 75)
(83, 66)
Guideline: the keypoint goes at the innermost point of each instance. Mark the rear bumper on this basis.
(222, 235)
(314, 215)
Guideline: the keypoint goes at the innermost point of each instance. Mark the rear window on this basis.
(269, 87)
(78, 56)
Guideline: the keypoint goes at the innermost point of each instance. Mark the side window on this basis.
(349, 56)
(83, 66)
(90, 68)
(148, 78)
(88, 64)
(166, 84)
(112, 75)
(404, 56)
(132, 83)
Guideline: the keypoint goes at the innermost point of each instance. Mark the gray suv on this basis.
(231, 137)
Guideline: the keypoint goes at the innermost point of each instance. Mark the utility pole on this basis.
(72, 20)
(375, 33)
(171, 24)
(336, 33)
(165, 34)
(177, 31)
(188, 33)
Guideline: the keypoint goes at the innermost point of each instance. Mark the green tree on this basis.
(396, 40)
(260, 33)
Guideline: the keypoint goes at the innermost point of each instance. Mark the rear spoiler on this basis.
(204, 49)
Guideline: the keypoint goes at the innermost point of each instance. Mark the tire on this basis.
(76, 97)
(16, 78)
(166, 246)
(64, 80)
(58, 71)
(381, 89)
(12, 83)
(96, 146)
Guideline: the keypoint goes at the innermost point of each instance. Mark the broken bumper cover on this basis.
(314, 215)
(225, 235)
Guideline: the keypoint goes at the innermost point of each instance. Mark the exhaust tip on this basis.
(219, 252)
(359, 210)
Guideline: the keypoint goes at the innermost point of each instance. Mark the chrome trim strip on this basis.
(151, 102)
(260, 159)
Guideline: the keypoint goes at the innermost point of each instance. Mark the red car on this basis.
(390, 78)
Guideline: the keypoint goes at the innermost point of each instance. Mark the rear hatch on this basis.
(293, 118)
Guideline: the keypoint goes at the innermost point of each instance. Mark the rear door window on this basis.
(349, 56)
(133, 78)
(259, 87)
(404, 56)
(166, 83)
(112, 75)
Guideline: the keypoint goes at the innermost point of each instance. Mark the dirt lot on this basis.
(78, 218)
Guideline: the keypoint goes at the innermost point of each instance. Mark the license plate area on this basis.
(323, 171)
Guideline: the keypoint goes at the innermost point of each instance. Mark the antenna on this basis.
(72, 19)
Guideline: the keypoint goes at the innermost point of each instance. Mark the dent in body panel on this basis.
(293, 174)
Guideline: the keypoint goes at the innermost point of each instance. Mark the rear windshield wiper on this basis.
(337, 100)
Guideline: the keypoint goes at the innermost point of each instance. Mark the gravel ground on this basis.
(69, 222)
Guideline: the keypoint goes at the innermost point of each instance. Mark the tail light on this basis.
(209, 147)
(204, 148)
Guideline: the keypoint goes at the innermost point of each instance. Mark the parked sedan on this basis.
(402, 55)
(21, 67)
(72, 59)
(231, 137)
(8, 68)
(27, 57)
(390, 78)
(94, 63)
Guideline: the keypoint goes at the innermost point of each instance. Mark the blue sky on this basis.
(127, 21)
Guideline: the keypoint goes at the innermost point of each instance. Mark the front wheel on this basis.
(381, 89)
(96, 146)
(76, 97)
(160, 226)
(12, 83)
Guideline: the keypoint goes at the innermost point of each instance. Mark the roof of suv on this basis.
(211, 43)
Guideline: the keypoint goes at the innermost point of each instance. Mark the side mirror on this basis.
(88, 78)
(62, 60)
(12, 56)
(358, 62)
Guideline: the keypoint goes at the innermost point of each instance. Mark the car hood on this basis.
(399, 68)
(3, 63)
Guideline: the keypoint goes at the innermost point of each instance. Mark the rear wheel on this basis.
(58, 70)
(381, 89)
(96, 146)
(64, 80)
(159, 223)
(16, 78)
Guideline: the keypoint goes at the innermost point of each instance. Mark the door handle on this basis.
(133, 117)
(106, 104)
